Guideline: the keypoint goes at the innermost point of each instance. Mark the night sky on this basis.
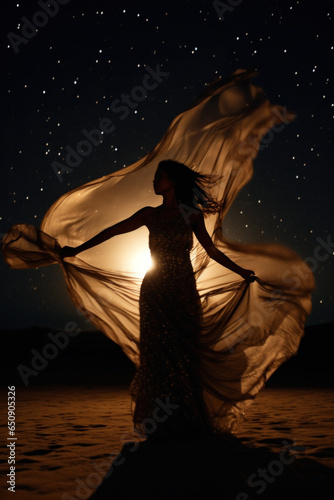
(86, 63)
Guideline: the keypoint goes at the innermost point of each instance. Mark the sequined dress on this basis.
(170, 318)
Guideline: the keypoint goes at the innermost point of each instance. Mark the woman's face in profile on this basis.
(162, 182)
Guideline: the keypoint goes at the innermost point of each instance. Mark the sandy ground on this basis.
(67, 437)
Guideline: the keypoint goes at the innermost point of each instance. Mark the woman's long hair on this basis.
(190, 186)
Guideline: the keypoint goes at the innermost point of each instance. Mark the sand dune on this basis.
(67, 438)
(69, 435)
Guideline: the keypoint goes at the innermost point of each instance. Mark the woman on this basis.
(237, 335)
(170, 307)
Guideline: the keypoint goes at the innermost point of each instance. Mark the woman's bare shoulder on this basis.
(146, 210)
(148, 214)
(196, 218)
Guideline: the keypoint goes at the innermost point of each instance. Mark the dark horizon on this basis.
(90, 357)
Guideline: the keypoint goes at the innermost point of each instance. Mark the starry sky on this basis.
(67, 65)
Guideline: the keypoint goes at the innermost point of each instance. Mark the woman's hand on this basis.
(248, 275)
(67, 252)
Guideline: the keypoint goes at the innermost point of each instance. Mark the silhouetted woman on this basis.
(166, 389)
(204, 342)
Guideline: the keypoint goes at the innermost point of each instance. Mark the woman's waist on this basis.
(180, 262)
(162, 257)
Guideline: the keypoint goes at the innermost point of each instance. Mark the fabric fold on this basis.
(248, 329)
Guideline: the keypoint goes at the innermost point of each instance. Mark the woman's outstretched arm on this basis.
(136, 220)
(204, 238)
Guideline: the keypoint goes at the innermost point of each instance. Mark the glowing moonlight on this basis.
(141, 261)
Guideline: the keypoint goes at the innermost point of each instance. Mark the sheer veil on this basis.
(249, 329)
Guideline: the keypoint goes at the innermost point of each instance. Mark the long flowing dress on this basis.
(170, 322)
(246, 329)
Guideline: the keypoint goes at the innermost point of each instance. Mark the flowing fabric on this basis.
(246, 329)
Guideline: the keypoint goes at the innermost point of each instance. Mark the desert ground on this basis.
(67, 437)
